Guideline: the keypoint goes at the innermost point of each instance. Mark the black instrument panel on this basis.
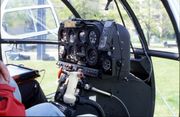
(89, 34)
(80, 43)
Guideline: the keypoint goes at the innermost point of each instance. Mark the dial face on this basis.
(72, 37)
(81, 51)
(71, 53)
(93, 37)
(92, 57)
(62, 51)
(106, 64)
(64, 36)
(82, 36)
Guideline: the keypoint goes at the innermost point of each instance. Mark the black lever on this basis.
(107, 5)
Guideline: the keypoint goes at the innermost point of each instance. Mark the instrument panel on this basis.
(85, 35)
(80, 43)
(79, 46)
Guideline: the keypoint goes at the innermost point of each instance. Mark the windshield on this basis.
(28, 19)
(152, 16)
(100, 10)
(156, 25)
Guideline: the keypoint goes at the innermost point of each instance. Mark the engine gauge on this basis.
(62, 52)
(72, 37)
(71, 52)
(106, 64)
(92, 57)
(64, 36)
(82, 36)
(92, 37)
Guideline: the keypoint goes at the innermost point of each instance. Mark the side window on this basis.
(27, 19)
(160, 36)
(156, 25)
(30, 20)
(23, 24)
(23, 3)
(27, 55)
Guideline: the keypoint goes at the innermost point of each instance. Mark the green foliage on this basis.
(87, 9)
(153, 18)
(167, 86)
(19, 17)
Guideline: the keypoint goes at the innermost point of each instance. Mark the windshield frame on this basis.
(174, 23)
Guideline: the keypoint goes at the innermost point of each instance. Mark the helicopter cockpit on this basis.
(100, 71)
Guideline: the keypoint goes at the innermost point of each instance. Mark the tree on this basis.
(153, 19)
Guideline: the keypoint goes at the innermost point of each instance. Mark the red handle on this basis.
(60, 72)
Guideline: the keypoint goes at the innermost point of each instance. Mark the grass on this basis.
(167, 87)
(166, 78)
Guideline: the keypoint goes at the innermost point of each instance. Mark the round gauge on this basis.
(71, 37)
(92, 57)
(106, 64)
(62, 52)
(81, 51)
(71, 52)
(92, 37)
(64, 36)
(82, 36)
